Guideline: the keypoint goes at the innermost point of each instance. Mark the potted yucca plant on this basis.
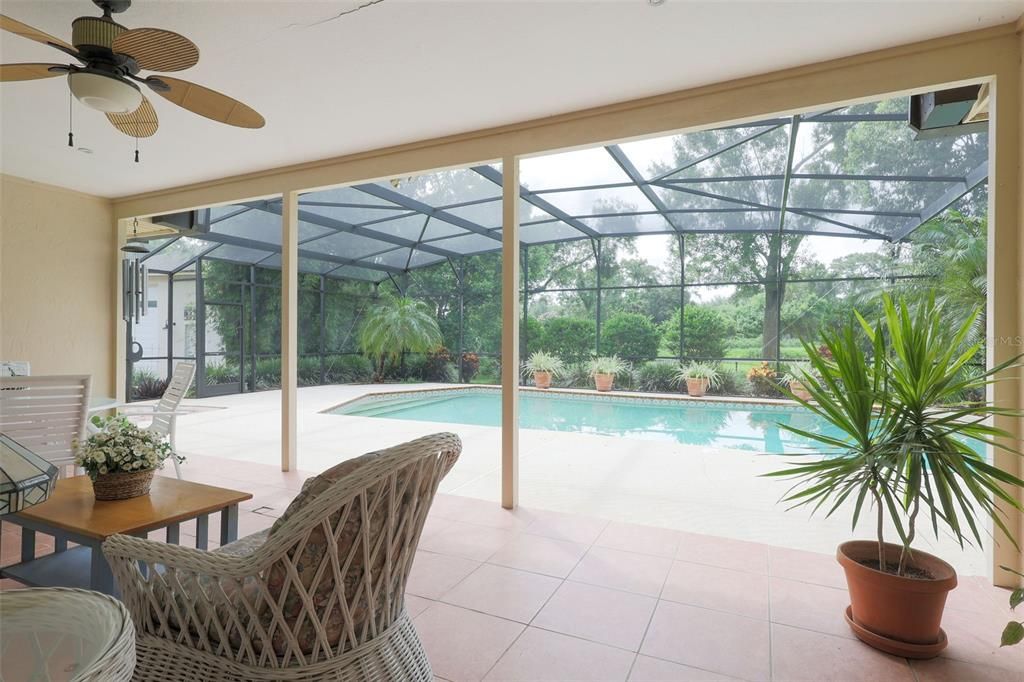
(698, 377)
(544, 367)
(120, 458)
(905, 450)
(604, 369)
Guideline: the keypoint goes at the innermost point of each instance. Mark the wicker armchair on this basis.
(320, 596)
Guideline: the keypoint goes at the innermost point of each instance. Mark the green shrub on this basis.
(410, 368)
(347, 369)
(438, 366)
(570, 338)
(764, 381)
(309, 371)
(225, 373)
(731, 382)
(706, 333)
(268, 374)
(146, 385)
(489, 371)
(532, 332)
(658, 376)
(630, 335)
(470, 366)
(575, 375)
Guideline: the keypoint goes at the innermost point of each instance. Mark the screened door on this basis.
(221, 349)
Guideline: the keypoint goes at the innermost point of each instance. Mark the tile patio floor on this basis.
(543, 595)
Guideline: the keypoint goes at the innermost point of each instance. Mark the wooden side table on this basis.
(72, 514)
(62, 634)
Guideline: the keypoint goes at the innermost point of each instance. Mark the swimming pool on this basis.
(736, 425)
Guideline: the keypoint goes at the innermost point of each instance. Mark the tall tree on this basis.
(749, 247)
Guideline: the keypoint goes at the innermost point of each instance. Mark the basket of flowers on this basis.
(120, 458)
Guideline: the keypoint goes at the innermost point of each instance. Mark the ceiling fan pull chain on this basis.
(71, 126)
(136, 150)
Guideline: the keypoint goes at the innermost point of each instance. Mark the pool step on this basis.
(384, 408)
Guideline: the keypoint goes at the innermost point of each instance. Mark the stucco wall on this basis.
(58, 259)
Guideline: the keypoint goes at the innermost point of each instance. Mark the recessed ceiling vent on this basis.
(948, 113)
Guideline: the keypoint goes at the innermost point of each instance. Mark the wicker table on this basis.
(72, 514)
(61, 634)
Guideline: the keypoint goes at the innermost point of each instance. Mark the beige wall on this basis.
(58, 261)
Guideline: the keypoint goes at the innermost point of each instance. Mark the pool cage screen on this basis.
(763, 212)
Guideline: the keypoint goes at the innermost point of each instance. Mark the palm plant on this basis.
(906, 443)
(955, 248)
(395, 325)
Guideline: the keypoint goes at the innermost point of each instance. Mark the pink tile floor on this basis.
(539, 595)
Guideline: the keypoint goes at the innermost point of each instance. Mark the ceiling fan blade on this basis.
(155, 49)
(139, 123)
(209, 103)
(29, 72)
(26, 31)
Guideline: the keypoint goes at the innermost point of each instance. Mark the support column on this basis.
(289, 329)
(524, 348)
(1005, 318)
(510, 333)
(682, 297)
(596, 245)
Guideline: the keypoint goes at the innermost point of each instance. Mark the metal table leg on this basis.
(228, 524)
(202, 531)
(101, 578)
(28, 544)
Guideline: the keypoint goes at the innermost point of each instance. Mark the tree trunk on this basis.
(772, 300)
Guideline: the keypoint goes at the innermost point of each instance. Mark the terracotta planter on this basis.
(122, 485)
(542, 379)
(604, 382)
(896, 614)
(697, 387)
(797, 389)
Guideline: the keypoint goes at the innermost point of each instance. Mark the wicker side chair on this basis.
(320, 596)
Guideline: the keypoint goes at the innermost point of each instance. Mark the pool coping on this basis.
(647, 398)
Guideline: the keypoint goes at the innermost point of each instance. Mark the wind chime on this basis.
(134, 278)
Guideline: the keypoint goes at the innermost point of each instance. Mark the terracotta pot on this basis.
(797, 389)
(899, 615)
(542, 379)
(604, 381)
(697, 387)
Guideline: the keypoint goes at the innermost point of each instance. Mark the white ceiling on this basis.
(405, 70)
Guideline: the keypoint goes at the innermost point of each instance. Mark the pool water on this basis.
(743, 426)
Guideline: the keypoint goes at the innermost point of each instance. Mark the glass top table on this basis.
(64, 634)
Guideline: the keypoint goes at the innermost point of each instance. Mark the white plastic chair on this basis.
(46, 414)
(165, 412)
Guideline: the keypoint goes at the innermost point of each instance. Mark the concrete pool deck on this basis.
(692, 488)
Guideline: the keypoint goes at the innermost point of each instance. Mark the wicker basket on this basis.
(122, 485)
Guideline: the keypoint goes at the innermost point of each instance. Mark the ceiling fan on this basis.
(111, 58)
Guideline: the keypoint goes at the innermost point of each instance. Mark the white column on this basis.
(289, 328)
(510, 333)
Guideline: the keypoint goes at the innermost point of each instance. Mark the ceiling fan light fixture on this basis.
(104, 93)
